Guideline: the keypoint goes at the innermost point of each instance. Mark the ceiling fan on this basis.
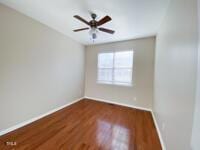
(94, 25)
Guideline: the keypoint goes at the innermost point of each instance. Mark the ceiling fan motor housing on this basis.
(93, 22)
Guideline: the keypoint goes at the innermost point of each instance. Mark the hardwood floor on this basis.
(87, 125)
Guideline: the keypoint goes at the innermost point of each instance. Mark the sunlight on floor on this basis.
(120, 135)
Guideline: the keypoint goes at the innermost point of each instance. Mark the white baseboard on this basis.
(136, 107)
(116, 103)
(158, 131)
(2, 132)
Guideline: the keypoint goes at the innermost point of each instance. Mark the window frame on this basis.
(113, 82)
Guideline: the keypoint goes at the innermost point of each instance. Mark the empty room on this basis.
(99, 75)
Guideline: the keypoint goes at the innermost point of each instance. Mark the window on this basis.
(115, 67)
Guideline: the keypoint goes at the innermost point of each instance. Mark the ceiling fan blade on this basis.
(107, 30)
(81, 29)
(81, 19)
(103, 20)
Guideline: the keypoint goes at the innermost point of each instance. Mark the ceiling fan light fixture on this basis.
(93, 33)
(94, 36)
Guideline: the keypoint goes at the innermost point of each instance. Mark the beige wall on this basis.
(141, 94)
(175, 74)
(196, 125)
(40, 69)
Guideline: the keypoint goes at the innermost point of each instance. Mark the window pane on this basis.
(105, 60)
(124, 59)
(123, 75)
(105, 75)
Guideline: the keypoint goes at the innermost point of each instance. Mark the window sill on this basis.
(115, 84)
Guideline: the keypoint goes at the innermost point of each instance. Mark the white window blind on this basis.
(115, 67)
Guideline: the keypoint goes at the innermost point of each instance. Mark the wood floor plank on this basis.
(87, 125)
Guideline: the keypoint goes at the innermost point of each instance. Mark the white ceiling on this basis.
(130, 18)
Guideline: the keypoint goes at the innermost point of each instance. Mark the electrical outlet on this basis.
(135, 99)
(163, 126)
(80, 91)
